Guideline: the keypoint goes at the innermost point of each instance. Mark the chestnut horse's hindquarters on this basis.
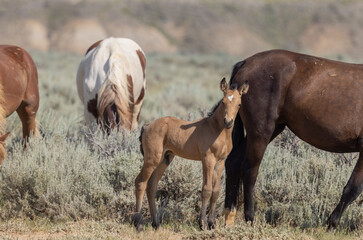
(19, 76)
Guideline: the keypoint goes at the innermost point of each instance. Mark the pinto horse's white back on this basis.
(111, 81)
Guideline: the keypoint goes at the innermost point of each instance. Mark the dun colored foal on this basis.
(208, 140)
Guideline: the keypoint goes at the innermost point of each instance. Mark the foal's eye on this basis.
(239, 105)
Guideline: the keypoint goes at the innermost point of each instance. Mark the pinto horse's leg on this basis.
(141, 181)
(351, 191)
(27, 112)
(209, 163)
(218, 170)
(153, 185)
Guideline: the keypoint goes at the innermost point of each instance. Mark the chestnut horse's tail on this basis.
(2, 123)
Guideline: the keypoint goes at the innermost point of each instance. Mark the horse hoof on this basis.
(156, 225)
(211, 225)
(138, 223)
(203, 225)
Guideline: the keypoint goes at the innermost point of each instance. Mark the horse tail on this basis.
(140, 138)
(2, 124)
(113, 95)
(234, 161)
(236, 68)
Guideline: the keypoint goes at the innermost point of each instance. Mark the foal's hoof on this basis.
(203, 225)
(211, 225)
(155, 225)
(138, 223)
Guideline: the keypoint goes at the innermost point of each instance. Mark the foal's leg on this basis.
(351, 191)
(209, 163)
(140, 184)
(153, 185)
(27, 111)
(218, 170)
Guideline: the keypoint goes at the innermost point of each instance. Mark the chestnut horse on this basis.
(111, 83)
(18, 91)
(208, 140)
(320, 100)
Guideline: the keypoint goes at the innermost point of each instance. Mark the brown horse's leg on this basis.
(255, 150)
(27, 111)
(218, 170)
(153, 185)
(351, 191)
(209, 163)
(140, 185)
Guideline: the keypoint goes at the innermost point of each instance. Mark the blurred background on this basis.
(322, 27)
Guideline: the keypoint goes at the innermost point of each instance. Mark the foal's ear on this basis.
(244, 88)
(224, 85)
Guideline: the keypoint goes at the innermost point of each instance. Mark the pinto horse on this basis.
(111, 83)
(18, 91)
(320, 100)
(208, 140)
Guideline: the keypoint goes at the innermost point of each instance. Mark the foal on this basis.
(208, 140)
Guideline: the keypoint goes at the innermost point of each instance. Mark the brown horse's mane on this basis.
(2, 120)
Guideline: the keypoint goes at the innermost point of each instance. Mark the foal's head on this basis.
(231, 101)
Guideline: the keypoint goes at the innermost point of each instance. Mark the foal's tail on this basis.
(2, 124)
(140, 138)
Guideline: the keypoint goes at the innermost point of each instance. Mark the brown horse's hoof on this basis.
(229, 216)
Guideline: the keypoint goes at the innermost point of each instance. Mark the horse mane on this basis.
(236, 68)
(113, 90)
(2, 120)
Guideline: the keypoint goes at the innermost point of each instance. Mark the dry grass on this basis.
(77, 184)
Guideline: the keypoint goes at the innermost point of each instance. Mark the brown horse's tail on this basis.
(234, 162)
(140, 138)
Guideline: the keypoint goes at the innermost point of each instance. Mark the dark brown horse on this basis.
(18, 90)
(320, 100)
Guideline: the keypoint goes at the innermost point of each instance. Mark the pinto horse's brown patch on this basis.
(142, 60)
(93, 46)
(141, 96)
(130, 87)
(92, 107)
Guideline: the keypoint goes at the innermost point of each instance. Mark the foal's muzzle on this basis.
(228, 124)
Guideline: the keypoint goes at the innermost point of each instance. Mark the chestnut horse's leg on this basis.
(141, 180)
(27, 112)
(218, 170)
(351, 191)
(152, 186)
(209, 163)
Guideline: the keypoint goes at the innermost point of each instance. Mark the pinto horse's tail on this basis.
(113, 97)
(233, 165)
